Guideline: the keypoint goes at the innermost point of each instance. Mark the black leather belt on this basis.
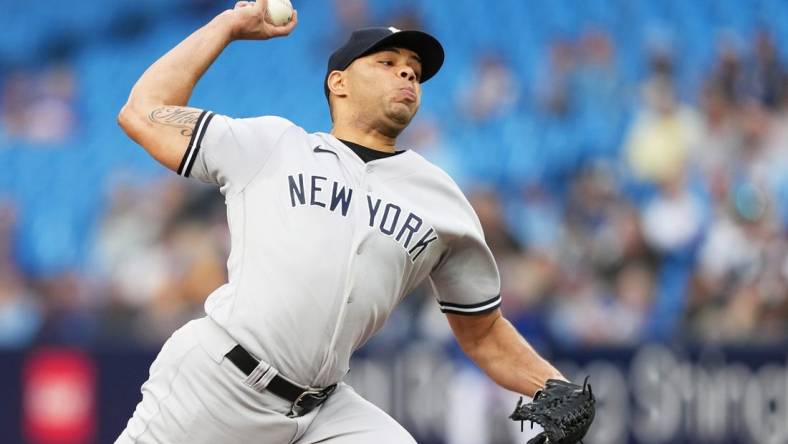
(304, 400)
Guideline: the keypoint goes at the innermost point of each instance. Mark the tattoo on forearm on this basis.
(185, 119)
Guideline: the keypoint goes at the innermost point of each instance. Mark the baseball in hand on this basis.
(280, 12)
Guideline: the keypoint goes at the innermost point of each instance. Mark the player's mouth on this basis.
(409, 94)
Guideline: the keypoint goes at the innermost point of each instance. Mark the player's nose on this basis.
(406, 72)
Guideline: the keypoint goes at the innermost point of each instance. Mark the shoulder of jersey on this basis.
(432, 169)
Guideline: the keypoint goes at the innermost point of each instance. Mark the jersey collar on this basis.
(396, 164)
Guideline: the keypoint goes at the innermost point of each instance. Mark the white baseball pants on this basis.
(195, 395)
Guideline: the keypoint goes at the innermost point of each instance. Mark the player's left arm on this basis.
(493, 343)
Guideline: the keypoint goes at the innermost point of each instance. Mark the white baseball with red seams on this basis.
(280, 12)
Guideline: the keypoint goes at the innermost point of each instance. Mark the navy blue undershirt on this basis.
(368, 154)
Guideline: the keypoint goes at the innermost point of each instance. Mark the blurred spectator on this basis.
(70, 314)
(351, 15)
(605, 286)
(673, 219)
(535, 218)
(490, 211)
(600, 228)
(426, 137)
(20, 313)
(588, 311)
(172, 238)
(128, 243)
(575, 316)
(194, 269)
(582, 91)
(493, 90)
(664, 132)
(764, 159)
(39, 106)
(8, 219)
(553, 90)
(526, 280)
(596, 83)
(720, 143)
(728, 74)
(766, 79)
(407, 18)
(633, 294)
(740, 283)
(672, 222)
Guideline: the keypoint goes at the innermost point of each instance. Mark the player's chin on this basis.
(403, 112)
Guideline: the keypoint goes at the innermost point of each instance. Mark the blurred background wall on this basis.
(628, 160)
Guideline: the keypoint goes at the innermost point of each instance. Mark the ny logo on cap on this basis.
(394, 30)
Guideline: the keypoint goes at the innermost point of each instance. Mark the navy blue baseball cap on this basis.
(368, 40)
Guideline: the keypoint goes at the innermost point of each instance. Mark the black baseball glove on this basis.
(564, 410)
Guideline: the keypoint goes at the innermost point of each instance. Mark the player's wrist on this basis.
(558, 377)
(225, 26)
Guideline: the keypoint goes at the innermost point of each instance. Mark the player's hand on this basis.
(248, 22)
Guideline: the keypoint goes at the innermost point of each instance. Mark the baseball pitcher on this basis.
(329, 231)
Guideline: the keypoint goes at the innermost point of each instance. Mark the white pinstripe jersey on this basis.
(324, 246)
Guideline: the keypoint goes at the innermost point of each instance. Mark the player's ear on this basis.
(337, 82)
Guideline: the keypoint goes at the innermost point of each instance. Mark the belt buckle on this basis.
(310, 399)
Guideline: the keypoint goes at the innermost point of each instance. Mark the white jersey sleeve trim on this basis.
(190, 155)
(481, 307)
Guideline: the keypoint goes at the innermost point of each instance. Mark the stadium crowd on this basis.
(667, 220)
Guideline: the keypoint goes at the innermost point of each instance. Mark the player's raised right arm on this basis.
(155, 115)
